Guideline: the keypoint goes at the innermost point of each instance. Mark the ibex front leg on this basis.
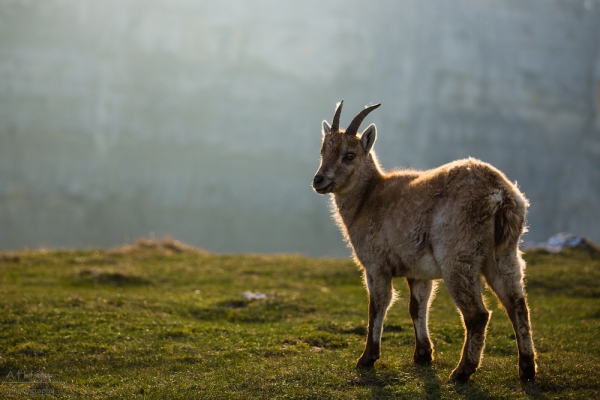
(420, 299)
(380, 297)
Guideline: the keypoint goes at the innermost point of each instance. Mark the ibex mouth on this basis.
(324, 189)
(322, 185)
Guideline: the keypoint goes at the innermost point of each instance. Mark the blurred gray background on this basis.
(201, 119)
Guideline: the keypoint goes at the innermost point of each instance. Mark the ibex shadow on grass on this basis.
(456, 223)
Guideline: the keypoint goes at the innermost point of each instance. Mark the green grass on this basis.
(159, 322)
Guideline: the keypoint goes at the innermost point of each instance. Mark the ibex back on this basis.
(456, 223)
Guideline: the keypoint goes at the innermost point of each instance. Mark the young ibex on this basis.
(456, 222)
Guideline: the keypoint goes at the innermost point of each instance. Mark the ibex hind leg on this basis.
(463, 280)
(505, 278)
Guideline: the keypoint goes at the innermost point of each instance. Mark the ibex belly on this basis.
(422, 268)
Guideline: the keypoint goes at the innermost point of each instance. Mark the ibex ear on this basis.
(326, 128)
(368, 137)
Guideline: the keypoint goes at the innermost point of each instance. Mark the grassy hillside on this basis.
(166, 321)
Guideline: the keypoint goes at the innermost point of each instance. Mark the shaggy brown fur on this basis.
(456, 223)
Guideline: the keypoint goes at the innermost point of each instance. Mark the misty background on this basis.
(201, 119)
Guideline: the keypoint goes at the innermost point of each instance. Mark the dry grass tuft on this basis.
(166, 245)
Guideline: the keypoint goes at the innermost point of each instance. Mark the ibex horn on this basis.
(355, 124)
(335, 124)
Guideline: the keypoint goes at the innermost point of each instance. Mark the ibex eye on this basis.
(349, 156)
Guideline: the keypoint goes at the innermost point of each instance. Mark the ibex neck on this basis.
(350, 203)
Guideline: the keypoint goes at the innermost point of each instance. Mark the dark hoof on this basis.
(423, 356)
(365, 362)
(460, 376)
(527, 370)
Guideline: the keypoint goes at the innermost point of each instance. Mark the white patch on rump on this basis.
(496, 197)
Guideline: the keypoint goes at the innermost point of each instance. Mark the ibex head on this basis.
(343, 153)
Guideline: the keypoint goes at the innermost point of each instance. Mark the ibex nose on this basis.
(318, 179)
